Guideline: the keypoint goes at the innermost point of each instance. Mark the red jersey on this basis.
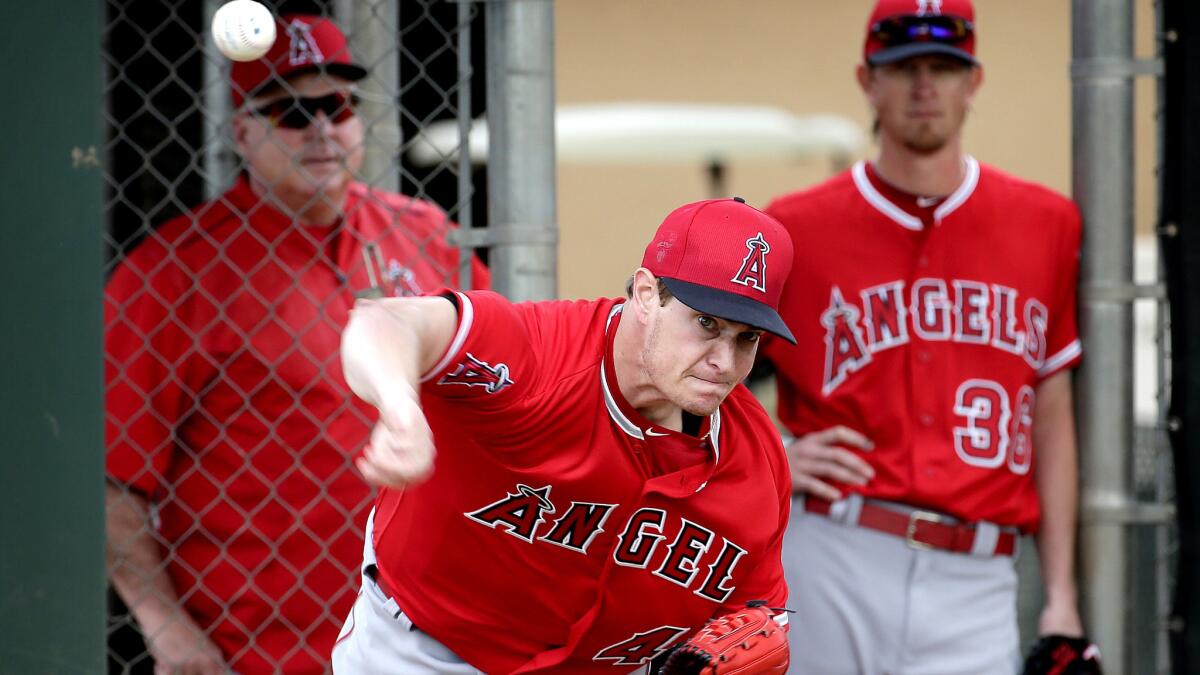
(226, 405)
(561, 531)
(928, 328)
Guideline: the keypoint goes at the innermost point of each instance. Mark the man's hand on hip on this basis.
(819, 456)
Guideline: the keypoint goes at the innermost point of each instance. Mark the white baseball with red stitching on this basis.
(243, 30)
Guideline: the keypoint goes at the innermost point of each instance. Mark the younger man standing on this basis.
(929, 392)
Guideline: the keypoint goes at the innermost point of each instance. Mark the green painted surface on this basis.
(52, 589)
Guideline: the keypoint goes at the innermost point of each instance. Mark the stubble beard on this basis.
(671, 386)
(925, 140)
(698, 411)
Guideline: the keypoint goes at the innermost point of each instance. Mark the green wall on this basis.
(52, 590)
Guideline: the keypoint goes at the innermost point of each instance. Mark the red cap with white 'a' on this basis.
(303, 43)
(725, 258)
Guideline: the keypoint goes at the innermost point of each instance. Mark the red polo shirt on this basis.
(227, 407)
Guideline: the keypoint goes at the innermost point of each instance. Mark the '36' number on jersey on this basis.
(993, 428)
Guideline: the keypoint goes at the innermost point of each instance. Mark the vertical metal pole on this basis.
(521, 179)
(1102, 149)
(466, 187)
(343, 13)
(1162, 448)
(220, 162)
(372, 27)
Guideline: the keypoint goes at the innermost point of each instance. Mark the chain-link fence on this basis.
(235, 250)
(242, 220)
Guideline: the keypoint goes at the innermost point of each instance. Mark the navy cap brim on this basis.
(901, 52)
(729, 306)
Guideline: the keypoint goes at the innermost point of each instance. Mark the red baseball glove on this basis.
(1061, 655)
(747, 641)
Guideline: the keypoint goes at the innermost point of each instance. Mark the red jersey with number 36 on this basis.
(928, 327)
(561, 531)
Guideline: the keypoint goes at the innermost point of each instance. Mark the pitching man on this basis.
(929, 391)
(603, 485)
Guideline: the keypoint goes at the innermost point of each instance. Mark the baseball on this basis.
(243, 29)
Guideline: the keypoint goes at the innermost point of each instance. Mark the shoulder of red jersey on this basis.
(565, 315)
(835, 189)
(1015, 191)
(569, 333)
(564, 333)
(508, 352)
(418, 215)
(571, 316)
(179, 240)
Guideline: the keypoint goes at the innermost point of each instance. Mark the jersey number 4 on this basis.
(993, 428)
(642, 647)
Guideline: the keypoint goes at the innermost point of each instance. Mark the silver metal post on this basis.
(220, 161)
(372, 28)
(1163, 461)
(1102, 109)
(466, 186)
(521, 179)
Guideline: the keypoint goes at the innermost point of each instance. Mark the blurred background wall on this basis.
(798, 55)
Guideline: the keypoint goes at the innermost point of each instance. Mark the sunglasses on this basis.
(901, 30)
(301, 111)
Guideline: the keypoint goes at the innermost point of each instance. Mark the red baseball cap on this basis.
(303, 43)
(901, 29)
(725, 258)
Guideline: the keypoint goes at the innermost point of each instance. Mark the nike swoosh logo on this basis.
(925, 202)
(651, 432)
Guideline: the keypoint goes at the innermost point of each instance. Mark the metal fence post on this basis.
(373, 28)
(220, 162)
(521, 169)
(1102, 149)
(466, 184)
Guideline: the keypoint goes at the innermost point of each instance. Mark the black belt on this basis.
(373, 574)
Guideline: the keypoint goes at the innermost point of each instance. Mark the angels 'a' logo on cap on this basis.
(753, 272)
(927, 7)
(303, 48)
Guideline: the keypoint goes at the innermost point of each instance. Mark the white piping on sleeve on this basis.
(466, 319)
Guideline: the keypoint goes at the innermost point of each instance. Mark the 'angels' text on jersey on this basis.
(935, 310)
(528, 514)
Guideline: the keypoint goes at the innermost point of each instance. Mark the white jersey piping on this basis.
(881, 203)
(614, 411)
(960, 195)
(903, 218)
(1063, 356)
(467, 312)
(627, 425)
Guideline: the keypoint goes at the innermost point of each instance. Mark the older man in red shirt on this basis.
(235, 518)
